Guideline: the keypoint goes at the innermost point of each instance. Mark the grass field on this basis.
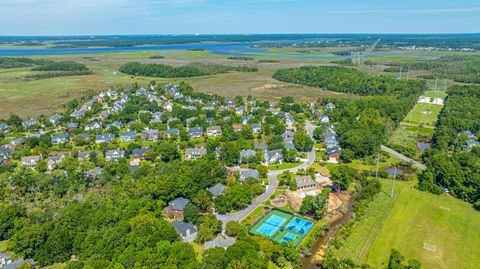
(410, 220)
(35, 97)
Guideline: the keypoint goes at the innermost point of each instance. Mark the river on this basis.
(222, 48)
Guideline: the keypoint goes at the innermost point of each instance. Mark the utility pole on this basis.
(393, 182)
(401, 72)
(445, 86)
(436, 80)
(378, 159)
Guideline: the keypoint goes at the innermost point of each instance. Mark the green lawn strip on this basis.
(366, 231)
(282, 166)
(414, 219)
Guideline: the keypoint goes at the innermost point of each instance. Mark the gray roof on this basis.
(139, 152)
(217, 190)
(220, 241)
(183, 227)
(16, 264)
(247, 153)
(244, 174)
(179, 203)
(4, 255)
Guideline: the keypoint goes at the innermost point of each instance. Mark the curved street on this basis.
(272, 185)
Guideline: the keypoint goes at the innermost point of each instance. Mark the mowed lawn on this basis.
(423, 114)
(408, 221)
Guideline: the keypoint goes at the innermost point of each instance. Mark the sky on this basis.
(97, 17)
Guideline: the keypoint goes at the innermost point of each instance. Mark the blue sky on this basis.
(90, 17)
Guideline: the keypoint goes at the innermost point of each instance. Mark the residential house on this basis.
(289, 120)
(138, 155)
(84, 136)
(175, 207)
(77, 114)
(220, 241)
(240, 110)
(194, 153)
(470, 143)
(334, 153)
(30, 161)
(289, 144)
(3, 127)
(330, 106)
(6, 150)
(55, 118)
(29, 123)
(324, 119)
(256, 128)
(94, 126)
(244, 119)
(104, 138)
(273, 110)
(214, 131)
(247, 155)
(132, 124)
(173, 132)
(186, 230)
(4, 161)
(52, 161)
(244, 174)
(305, 182)
(114, 154)
(231, 102)
(85, 155)
(72, 126)
(18, 141)
(94, 173)
(217, 190)
(4, 259)
(150, 135)
(115, 124)
(273, 156)
(60, 139)
(195, 132)
(237, 127)
(128, 136)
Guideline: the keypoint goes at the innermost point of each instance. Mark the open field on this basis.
(408, 221)
(35, 97)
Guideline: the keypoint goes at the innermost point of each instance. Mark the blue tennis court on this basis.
(271, 225)
(288, 237)
(301, 226)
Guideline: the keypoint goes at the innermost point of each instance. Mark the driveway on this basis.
(272, 186)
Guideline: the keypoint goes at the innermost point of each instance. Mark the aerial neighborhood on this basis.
(225, 147)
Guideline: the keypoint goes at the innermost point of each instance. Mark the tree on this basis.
(302, 141)
(316, 205)
(208, 227)
(262, 170)
(318, 133)
(343, 175)
(232, 228)
(203, 200)
(215, 258)
(191, 213)
(396, 261)
(222, 204)
(230, 153)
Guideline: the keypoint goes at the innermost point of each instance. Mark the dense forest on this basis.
(16, 62)
(191, 70)
(452, 163)
(61, 66)
(362, 123)
(347, 80)
(465, 69)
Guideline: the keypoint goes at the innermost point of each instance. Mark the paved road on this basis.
(272, 185)
(403, 157)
